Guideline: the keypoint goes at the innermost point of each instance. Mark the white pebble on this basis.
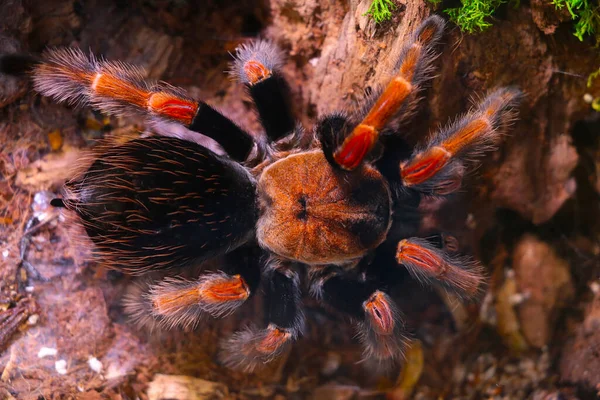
(5, 253)
(588, 98)
(33, 319)
(47, 352)
(314, 61)
(61, 367)
(95, 364)
(29, 289)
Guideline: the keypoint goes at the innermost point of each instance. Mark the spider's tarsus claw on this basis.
(431, 30)
(256, 61)
(252, 348)
(427, 263)
(382, 331)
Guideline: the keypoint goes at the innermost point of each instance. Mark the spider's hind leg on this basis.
(185, 302)
(378, 321)
(257, 65)
(252, 347)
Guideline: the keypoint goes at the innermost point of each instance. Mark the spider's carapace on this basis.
(314, 213)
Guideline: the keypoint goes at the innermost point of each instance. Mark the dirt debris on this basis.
(544, 281)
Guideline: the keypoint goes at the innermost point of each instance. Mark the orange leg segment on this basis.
(428, 263)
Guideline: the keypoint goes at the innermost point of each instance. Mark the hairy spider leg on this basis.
(257, 65)
(429, 264)
(185, 302)
(379, 323)
(438, 167)
(68, 75)
(413, 68)
(252, 347)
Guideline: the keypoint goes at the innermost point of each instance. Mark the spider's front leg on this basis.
(257, 65)
(378, 320)
(414, 67)
(438, 167)
(252, 347)
(68, 75)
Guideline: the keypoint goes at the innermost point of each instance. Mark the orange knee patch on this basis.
(173, 107)
(223, 290)
(424, 166)
(421, 257)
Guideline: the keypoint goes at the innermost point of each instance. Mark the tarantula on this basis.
(332, 201)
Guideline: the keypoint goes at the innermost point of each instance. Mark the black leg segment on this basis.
(209, 122)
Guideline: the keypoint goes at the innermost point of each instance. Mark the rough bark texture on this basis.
(530, 213)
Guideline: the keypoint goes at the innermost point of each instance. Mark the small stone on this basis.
(47, 352)
(546, 278)
(33, 319)
(95, 364)
(61, 367)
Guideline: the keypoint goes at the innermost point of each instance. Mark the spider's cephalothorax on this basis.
(272, 205)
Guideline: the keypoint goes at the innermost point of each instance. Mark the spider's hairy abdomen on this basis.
(163, 202)
(315, 214)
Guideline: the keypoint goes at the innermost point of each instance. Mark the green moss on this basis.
(473, 15)
(590, 81)
(586, 14)
(381, 10)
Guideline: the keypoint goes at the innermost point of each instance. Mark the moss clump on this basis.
(473, 15)
(586, 14)
(381, 10)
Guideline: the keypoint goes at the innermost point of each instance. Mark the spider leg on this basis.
(257, 65)
(185, 302)
(252, 347)
(378, 320)
(68, 75)
(412, 70)
(438, 167)
(428, 263)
